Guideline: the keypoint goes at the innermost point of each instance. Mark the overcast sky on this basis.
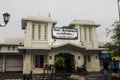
(103, 12)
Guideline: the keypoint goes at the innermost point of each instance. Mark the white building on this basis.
(43, 42)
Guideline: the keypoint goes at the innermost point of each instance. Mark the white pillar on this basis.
(50, 40)
(82, 34)
(94, 38)
(27, 63)
(3, 63)
(28, 35)
(42, 32)
(95, 62)
(87, 34)
(36, 32)
(51, 59)
(76, 61)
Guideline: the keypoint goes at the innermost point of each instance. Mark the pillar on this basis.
(95, 62)
(82, 40)
(3, 63)
(27, 63)
(94, 38)
(51, 59)
(87, 34)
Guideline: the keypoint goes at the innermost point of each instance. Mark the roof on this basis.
(35, 48)
(37, 19)
(100, 49)
(84, 22)
(101, 44)
(13, 41)
(68, 43)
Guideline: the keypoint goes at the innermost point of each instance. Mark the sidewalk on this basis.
(95, 76)
(100, 76)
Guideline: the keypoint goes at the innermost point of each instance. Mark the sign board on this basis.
(64, 33)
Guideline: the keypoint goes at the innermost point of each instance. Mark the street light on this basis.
(6, 17)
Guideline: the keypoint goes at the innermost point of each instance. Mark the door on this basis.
(39, 60)
(14, 63)
(87, 61)
(0, 63)
(68, 62)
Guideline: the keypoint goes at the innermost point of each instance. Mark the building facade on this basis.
(43, 42)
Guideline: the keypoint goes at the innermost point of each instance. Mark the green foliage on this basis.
(116, 34)
(116, 39)
(114, 46)
(59, 61)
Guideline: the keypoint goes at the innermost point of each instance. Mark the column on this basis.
(3, 63)
(76, 61)
(51, 59)
(82, 34)
(94, 38)
(42, 32)
(96, 66)
(28, 35)
(87, 34)
(93, 65)
(27, 63)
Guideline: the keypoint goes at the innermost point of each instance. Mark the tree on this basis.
(116, 39)
(114, 46)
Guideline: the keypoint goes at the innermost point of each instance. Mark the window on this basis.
(45, 32)
(85, 34)
(90, 34)
(0, 48)
(20, 43)
(96, 57)
(39, 32)
(8, 48)
(50, 57)
(80, 33)
(13, 48)
(39, 60)
(78, 57)
(87, 58)
(33, 31)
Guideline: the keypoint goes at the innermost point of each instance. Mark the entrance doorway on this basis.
(68, 62)
(39, 60)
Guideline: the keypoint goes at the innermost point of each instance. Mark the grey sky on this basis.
(103, 12)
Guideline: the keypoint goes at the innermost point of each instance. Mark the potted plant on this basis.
(59, 63)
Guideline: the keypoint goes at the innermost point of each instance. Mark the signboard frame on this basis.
(68, 33)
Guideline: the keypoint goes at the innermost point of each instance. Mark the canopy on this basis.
(116, 57)
(104, 55)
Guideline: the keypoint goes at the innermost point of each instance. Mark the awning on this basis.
(104, 55)
(116, 58)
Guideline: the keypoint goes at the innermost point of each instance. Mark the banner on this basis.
(64, 33)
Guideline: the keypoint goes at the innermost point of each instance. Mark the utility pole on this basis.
(118, 9)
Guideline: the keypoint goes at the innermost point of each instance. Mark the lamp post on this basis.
(6, 17)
